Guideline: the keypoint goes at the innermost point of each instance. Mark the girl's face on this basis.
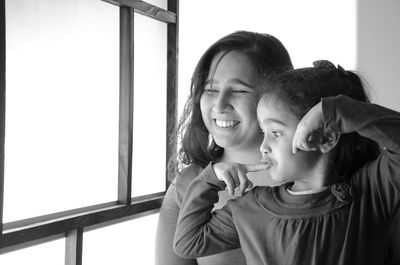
(228, 103)
(279, 125)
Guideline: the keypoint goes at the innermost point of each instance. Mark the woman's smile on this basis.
(226, 124)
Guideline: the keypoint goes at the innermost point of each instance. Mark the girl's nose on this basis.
(265, 148)
(222, 103)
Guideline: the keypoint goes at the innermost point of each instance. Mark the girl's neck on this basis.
(311, 184)
(314, 179)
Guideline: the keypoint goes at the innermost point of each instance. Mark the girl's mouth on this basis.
(268, 161)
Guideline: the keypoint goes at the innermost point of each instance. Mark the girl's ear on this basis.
(331, 141)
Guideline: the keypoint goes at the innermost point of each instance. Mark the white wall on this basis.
(361, 35)
(310, 29)
(378, 54)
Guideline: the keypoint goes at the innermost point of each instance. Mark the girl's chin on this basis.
(277, 179)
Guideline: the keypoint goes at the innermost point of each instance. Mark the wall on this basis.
(360, 35)
(378, 44)
(310, 29)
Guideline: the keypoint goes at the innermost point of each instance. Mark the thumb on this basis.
(255, 167)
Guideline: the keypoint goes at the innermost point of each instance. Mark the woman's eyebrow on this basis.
(210, 81)
(241, 82)
(232, 80)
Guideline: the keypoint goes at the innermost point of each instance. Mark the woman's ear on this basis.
(331, 141)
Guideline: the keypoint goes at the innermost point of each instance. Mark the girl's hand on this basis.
(234, 175)
(309, 134)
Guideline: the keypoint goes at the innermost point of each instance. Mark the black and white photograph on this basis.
(214, 132)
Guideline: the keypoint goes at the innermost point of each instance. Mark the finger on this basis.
(234, 181)
(242, 180)
(294, 144)
(295, 140)
(307, 146)
(303, 144)
(229, 184)
(249, 184)
(255, 167)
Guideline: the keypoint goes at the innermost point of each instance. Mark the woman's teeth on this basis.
(226, 124)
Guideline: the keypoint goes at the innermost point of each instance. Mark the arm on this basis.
(200, 232)
(168, 218)
(344, 115)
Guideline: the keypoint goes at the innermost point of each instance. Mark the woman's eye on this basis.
(240, 91)
(211, 91)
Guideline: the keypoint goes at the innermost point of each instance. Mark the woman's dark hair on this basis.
(299, 90)
(267, 54)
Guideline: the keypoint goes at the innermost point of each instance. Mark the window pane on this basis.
(50, 253)
(149, 128)
(61, 147)
(160, 3)
(130, 242)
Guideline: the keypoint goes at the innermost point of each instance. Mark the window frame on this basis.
(72, 224)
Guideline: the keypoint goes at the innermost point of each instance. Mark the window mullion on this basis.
(73, 247)
(126, 105)
(172, 81)
(2, 104)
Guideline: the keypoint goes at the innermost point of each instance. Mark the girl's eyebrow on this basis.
(272, 120)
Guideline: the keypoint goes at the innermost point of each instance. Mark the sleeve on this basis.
(199, 231)
(379, 178)
(394, 241)
(164, 253)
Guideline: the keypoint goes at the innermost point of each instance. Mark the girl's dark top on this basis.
(169, 212)
(345, 224)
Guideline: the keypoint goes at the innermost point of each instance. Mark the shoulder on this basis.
(184, 178)
(251, 197)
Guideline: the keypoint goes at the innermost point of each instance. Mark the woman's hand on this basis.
(309, 134)
(234, 175)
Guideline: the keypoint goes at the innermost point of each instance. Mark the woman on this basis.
(219, 123)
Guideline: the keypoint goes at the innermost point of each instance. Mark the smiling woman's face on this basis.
(228, 103)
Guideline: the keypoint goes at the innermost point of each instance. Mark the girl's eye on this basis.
(276, 134)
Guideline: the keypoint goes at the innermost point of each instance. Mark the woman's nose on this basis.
(222, 103)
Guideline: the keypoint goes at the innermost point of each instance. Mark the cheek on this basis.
(204, 105)
(306, 160)
(248, 108)
(205, 109)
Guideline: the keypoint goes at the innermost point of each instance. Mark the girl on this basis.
(339, 191)
(219, 124)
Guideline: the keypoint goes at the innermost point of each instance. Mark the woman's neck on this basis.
(253, 156)
(247, 156)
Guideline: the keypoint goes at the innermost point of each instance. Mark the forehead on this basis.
(231, 64)
(270, 110)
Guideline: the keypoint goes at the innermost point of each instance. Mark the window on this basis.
(78, 84)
